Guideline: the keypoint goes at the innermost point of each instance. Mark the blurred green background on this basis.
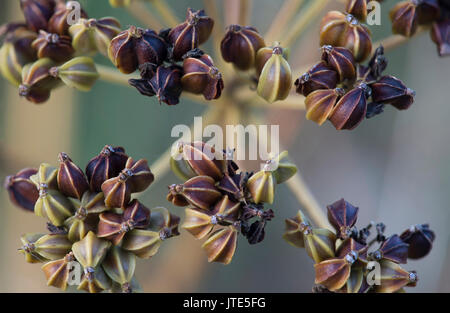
(395, 167)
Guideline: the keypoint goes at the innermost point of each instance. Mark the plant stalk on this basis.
(165, 12)
(142, 13)
(283, 18)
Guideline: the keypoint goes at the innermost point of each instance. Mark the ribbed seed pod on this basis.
(198, 222)
(393, 249)
(343, 30)
(21, 190)
(57, 272)
(190, 34)
(319, 243)
(150, 48)
(80, 73)
(122, 51)
(234, 185)
(389, 89)
(53, 206)
(404, 18)
(351, 109)
(46, 177)
(199, 191)
(15, 53)
(294, 230)
(95, 280)
(108, 164)
(92, 35)
(342, 215)
(58, 22)
(420, 239)
(264, 54)
(165, 84)
(284, 169)
(428, 11)
(85, 218)
(37, 82)
(120, 265)
(357, 8)
(221, 245)
(320, 76)
(394, 278)
(262, 187)
(56, 47)
(275, 81)
(165, 222)
(355, 282)
(350, 245)
(226, 211)
(334, 273)
(37, 13)
(202, 77)
(71, 180)
(341, 60)
(240, 46)
(439, 34)
(320, 103)
(136, 177)
(143, 243)
(40, 248)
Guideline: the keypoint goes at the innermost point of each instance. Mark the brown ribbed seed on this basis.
(240, 46)
(221, 245)
(404, 18)
(341, 60)
(420, 239)
(40, 248)
(122, 51)
(57, 272)
(71, 180)
(199, 191)
(319, 243)
(143, 243)
(21, 190)
(263, 55)
(262, 187)
(320, 76)
(394, 278)
(439, 35)
(202, 77)
(357, 8)
(56, 47)
(164, 222)
(334, 273)
(342, 215)
(389, 89)
(198, 222)
(359, 250)
(351, 109)
(120, 265)
(294, 229)
(393, 249)
(320, 103)
(58, 23)
(37, 13)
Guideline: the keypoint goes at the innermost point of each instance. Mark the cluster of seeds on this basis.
(222, 201)
(45, 52)
(342, 258)
(92, 219)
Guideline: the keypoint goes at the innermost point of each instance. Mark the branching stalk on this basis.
(245, 12)
(142, 13)
(283, 18)
(166, 13)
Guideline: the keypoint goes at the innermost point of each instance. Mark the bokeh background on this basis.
(395, 167)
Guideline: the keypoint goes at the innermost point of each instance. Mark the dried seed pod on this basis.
(319, 243)
(294, 230)
(351, 109)
(119, 3)
(58, 23)
(240, 46)
(420, 239)
(389, 89)
(350, 245)
(262, 187)
(394, 278)
(143, 243)
(149, 47)
(15, 53)
(37, 13)
(203, 159)
(135, 177)
(41, 248)
(80, 73)
(356, 282)
(221, 245)
(342, 215)
(95, 280)
(428, 11)
(439, 34)
(343, 30)
(357, 8)
(164, 222)
(85, 218)
(235, 186)
(71, 180)
(120, 265)
(202, 77)
(132, 287)
(46, 177)
(283, 168)
(190, 34)
(393, 249)
(37, 82)
(92, 35)
(320, 76)
(199, 191)
(226, 211)
(53, 206)
(198, 222)
(320, 103)
(165, 84)
(341, 60)
(90, 251)
(57, 272)
(275, 81)
(122, 51)
(56, 47)
(21, 190)
(108, 164)
(404, 18)
(264, 54)
(334, 273)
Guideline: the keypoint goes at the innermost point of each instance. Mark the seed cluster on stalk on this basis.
(341, 88)
(223, 201)
(342, 257)
(92, 219)
(44, 52)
